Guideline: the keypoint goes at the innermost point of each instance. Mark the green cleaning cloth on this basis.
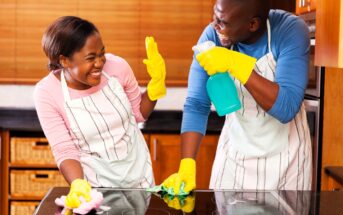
(163, 190)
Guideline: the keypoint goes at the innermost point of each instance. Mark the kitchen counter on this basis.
(160, 121)
(136, 201)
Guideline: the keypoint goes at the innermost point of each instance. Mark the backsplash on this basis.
(21, 96)
(16, 96)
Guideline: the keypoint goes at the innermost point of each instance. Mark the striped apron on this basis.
(256, 151)
(113, 152)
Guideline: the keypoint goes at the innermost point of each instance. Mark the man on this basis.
(266, 144)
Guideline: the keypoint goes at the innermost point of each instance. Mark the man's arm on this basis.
(190, 143)
(264, 91)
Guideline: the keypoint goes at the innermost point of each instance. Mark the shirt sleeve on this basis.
(197, 105)
(129, 82)
(54, 126)
(291, 70)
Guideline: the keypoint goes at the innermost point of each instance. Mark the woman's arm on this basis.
(71, 170)
(146, 106)
(54, 126)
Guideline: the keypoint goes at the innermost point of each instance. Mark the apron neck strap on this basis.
(105, 74)
(269, 36)
(64, 87)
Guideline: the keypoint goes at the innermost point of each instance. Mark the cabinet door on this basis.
(146, 138)
(313, 5)
(305, 6)
(329, 35)
(334, 185)
(166, 155)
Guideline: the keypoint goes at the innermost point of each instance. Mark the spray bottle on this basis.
(220, 87)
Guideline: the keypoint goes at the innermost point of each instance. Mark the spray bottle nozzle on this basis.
(203, 46)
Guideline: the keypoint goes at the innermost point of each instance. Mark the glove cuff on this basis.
(156, 90)
(80, 183)
(247, 67)
(187, 165)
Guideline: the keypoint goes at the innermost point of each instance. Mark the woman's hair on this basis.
(65, 36)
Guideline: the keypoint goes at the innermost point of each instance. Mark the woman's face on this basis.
(85, 66)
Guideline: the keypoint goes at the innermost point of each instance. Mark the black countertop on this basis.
(208, 202)
(158, 122)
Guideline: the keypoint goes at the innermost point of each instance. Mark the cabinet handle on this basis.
(154, 142)
(0, 147)
(303, 3)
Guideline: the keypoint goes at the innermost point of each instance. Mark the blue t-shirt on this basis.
(290, 44)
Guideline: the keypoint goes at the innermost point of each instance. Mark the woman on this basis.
(89, 106)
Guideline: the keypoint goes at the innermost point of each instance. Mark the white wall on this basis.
(21, 96)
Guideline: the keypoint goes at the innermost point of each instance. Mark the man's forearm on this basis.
(190, 142)
(263, 90)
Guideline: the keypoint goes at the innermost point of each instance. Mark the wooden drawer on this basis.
(31, 151)
(23, 208)
(34, 183)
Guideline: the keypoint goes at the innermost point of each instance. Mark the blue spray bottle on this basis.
(220, 87)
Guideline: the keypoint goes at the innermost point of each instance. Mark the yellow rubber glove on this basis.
(157, 70)
(186, 174)
(220, 59)
(79, 187)
(186, 205)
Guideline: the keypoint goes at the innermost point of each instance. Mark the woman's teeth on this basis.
(95, 74)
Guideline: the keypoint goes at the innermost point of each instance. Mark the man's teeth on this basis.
(221, 36)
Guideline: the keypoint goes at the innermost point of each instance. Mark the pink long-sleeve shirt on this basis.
(49, 102)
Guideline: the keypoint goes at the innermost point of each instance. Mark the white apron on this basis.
(113, 152)
(256, 151)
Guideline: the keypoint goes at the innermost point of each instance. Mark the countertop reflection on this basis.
(136, 201)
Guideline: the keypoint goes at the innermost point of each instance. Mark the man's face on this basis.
(230, 22)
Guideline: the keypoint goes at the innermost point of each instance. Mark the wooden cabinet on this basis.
(305, 6)
(334, 185)
(332, 143)
(165, 156)
(329, 53)
(28, 171)
(329, 34)
(4, 173)
(27, 160)
(334, 176)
